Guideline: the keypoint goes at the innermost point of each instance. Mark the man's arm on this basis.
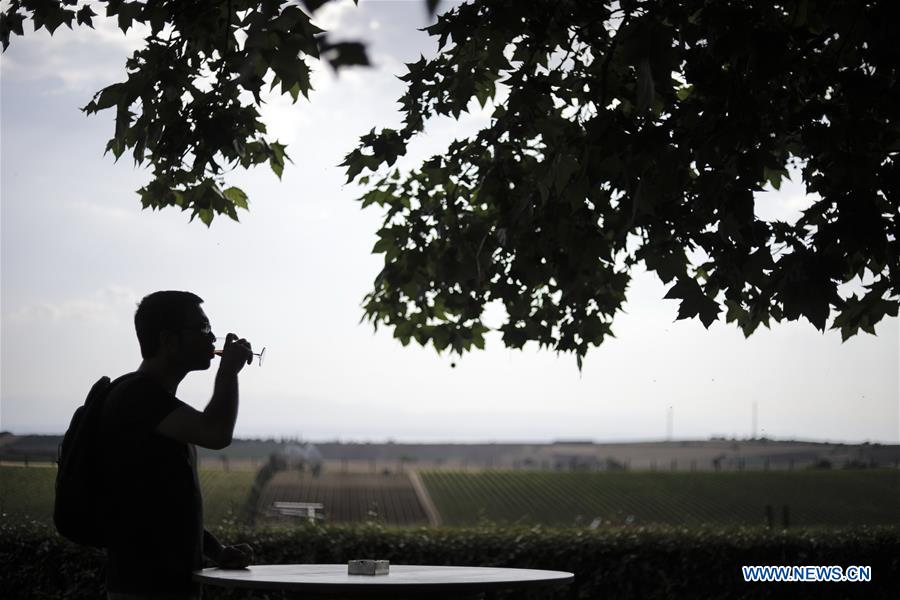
(213, 427)
(212, 548)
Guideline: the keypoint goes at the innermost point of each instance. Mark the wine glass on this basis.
(220, 347)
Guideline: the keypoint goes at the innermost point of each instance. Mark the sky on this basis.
(77, 253)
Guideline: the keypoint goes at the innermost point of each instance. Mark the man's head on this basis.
(171, 325)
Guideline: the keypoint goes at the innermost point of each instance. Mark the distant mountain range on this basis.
(715, 453)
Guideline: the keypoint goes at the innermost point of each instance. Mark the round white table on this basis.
(403, 581)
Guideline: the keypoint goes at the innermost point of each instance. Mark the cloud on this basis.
(107, 303)
(338, 16)
(81, 59)
(107, 214)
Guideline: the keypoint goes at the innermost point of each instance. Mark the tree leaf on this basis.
(108, 97)
(684, 92)
(345, 54)
(84, 16)
(127, 13)
(693, 301)
(206, 215)
(774, 176)
(10, 22)
(237, 197)
(314, 5)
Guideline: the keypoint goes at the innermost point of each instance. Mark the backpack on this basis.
(77, 506)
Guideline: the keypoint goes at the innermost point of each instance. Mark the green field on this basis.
(565, 499)
(27, 493)
(224, 494)
(814, 498)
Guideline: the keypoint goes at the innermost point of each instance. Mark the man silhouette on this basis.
(153, 509)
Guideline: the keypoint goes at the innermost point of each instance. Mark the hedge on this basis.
(610, 564)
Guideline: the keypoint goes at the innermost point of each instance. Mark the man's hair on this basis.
(161, 311)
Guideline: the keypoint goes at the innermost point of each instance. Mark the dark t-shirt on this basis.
(153, 506)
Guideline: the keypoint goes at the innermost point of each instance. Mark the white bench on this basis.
(310, 510)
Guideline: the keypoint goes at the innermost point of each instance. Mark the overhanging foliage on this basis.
(626, 133)
(189, 104)
(638, 132)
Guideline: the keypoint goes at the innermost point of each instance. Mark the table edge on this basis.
(377, 587)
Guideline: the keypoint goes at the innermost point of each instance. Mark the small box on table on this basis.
(368, 567)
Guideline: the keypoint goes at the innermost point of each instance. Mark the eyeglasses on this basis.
(202, 330)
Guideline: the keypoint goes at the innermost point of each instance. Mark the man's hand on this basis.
(235, 354)
(235, 557)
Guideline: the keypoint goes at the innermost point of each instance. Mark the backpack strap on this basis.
(95, 397)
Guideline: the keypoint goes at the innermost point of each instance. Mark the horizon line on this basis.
(523, 442)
